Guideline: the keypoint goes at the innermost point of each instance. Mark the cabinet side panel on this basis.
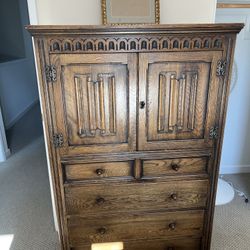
(41, 59)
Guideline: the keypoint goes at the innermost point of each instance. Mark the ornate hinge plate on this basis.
(58, 140)
(213, 132)
(221, 68)
(51, 73)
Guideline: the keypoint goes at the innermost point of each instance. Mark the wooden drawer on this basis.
(97, 171)
(146, 226)
(154, 168)
(115, 197)
(174, 244)
(171, 244)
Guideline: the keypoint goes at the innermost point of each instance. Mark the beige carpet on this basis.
(231, 229)
(25, 206)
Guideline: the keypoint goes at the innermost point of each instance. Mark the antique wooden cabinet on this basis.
(134, 119)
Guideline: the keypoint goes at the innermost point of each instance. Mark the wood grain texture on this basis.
(179, 102)
(92, 98)
(152, 168)
(136, 151)
(145, 226)
(99, 170)
(170, 244)
(120, 197)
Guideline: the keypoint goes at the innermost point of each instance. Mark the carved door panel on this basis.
(178, 99)
(95, 102)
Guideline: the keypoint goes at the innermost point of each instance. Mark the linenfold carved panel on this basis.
(177, 91)
(176, 96)
(133, 44)
(95, 102)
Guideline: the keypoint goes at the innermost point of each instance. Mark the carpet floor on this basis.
(26, 212)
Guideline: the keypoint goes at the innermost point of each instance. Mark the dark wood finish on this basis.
(93, 99)
(135, 197)
(134, 119)
(145, 226)
(181, 97)
(171, 244)
(98, 170)
(163, 167)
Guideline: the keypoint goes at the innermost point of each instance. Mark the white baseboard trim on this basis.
(234, 169)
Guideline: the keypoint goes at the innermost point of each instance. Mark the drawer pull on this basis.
(172, 226)
(174, 197)
(102, 230)
(99, 171)
(175, 167)
(100, 200)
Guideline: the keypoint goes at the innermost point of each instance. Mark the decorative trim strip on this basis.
(134, 44)
(233, 5)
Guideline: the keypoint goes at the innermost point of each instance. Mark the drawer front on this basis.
(85, 230)
(171, 244)
(99, 170)
(175, 244)
(152, 168)
(106, 198)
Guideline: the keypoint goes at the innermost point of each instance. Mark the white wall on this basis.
(236, 147)
(89, 11)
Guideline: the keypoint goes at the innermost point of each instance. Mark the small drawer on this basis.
(145, 226)
(154, 168)
(99, 170)
(122, 197)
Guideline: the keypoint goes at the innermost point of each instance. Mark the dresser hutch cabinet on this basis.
(134, 119)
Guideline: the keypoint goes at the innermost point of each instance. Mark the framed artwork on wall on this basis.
(130, 12)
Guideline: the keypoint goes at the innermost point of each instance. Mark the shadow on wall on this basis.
(236, 147)
(18, 87)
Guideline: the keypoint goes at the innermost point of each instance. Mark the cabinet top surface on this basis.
(134, 29)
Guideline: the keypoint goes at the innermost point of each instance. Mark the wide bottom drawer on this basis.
(172, 244)
(144, 226)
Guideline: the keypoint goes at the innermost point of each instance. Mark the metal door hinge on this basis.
(221, 68)
(58, 140)
(213, 132)
(51, 73)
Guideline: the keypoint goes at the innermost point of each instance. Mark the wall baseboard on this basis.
(21, 114)
(234, 169)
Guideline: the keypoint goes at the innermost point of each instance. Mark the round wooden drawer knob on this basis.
(175, 167)
(172, 226)
(102, 230)
(174, 197)
(99, 171)
(100, 200)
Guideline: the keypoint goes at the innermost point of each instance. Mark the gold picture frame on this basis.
(119, 12)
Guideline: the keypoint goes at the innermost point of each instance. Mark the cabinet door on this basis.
(95, 102)
(178, 99)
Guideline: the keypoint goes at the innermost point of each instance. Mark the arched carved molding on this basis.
(133, 44)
